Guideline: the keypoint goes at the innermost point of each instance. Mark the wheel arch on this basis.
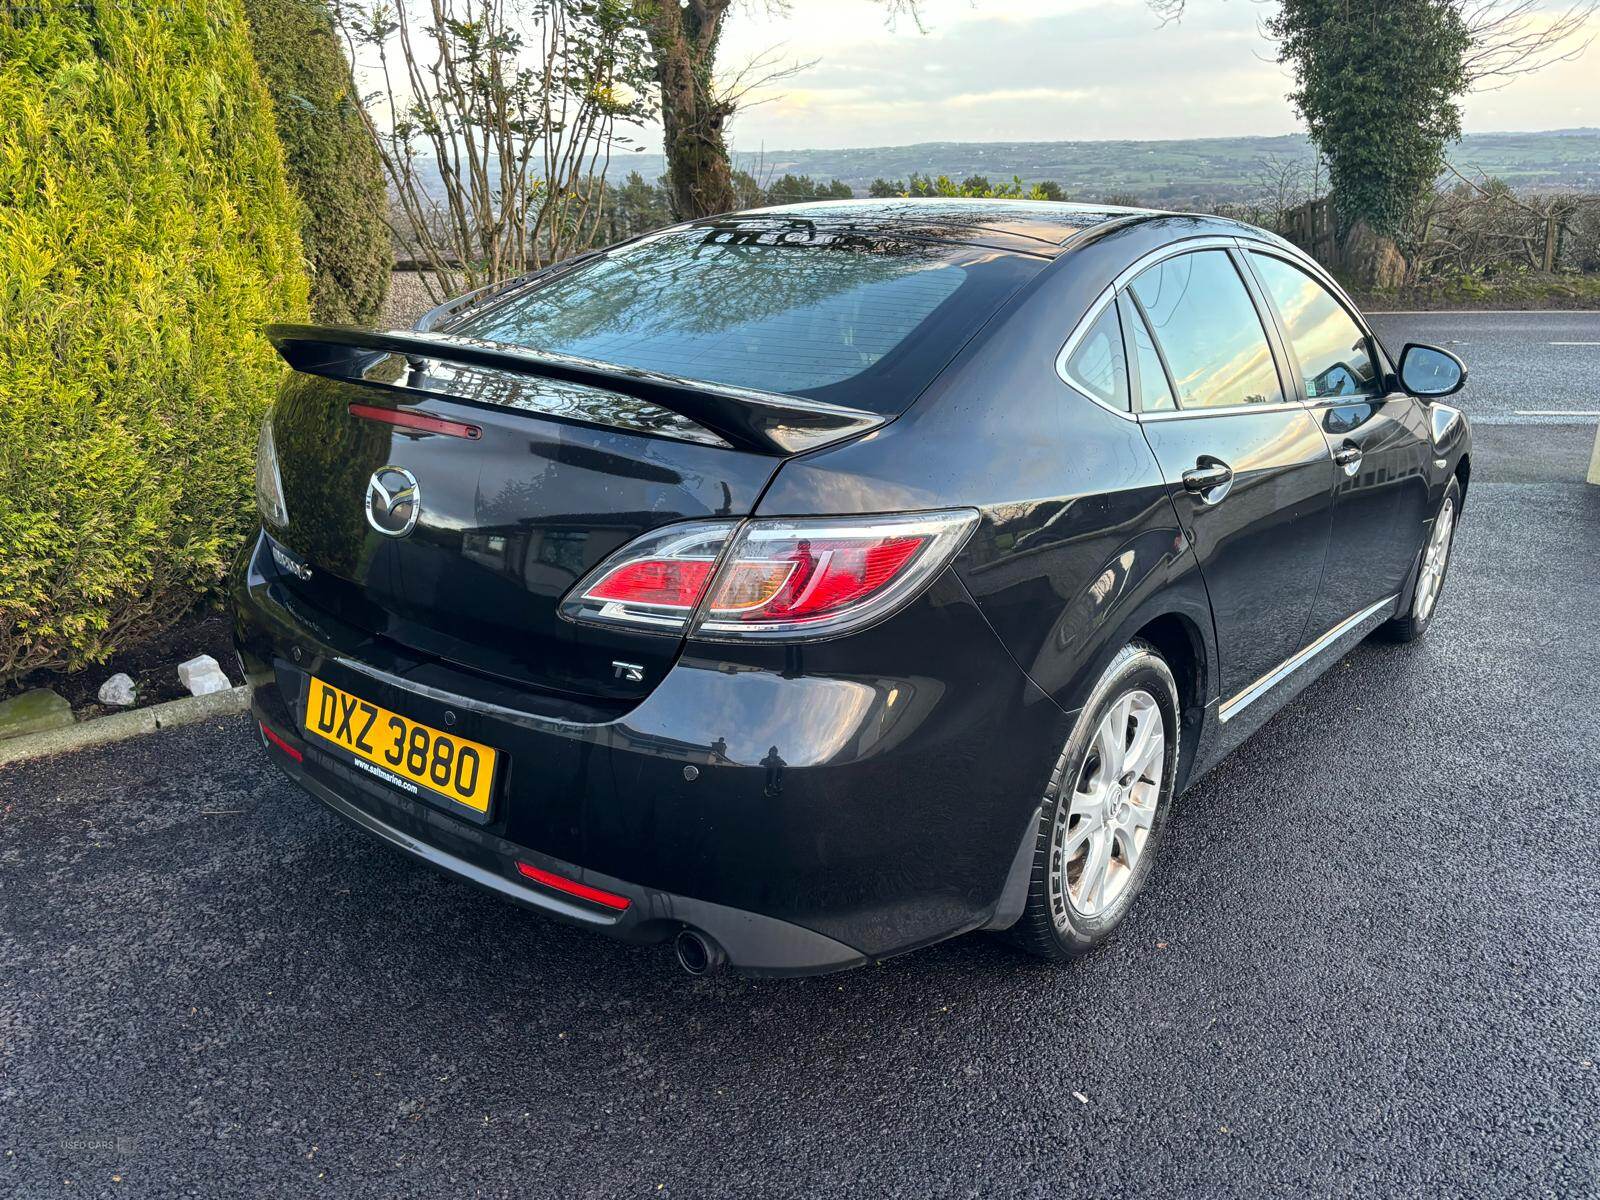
(1179, 640)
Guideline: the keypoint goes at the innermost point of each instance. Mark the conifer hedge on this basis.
(146, 233)
(332, 159)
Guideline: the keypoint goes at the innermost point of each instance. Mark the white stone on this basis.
(202, 676)
(117, 691)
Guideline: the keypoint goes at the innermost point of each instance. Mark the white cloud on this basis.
(1033, 95)
(1055, 69)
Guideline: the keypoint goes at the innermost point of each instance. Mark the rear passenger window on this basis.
(1155, 393)
(1335, 359)
(1206, 324)
(1097, 364)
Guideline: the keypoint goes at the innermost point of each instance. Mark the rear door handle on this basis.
(1209, 479)
(1348, 456)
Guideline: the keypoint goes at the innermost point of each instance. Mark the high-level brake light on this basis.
(421, 422)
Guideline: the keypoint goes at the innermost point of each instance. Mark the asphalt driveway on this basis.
(1368, 964)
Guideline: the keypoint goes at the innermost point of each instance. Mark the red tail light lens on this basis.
(811, 577)
(655, 582)
(780, 580)
(796, 579)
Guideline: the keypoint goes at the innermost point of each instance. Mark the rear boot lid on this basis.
(445, 495)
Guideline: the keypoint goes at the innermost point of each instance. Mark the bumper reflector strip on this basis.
(281, 744)
(573, 888)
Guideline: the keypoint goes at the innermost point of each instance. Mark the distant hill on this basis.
(1169, 173)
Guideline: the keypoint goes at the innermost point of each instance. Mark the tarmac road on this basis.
(1366, 965)
(1523, 367)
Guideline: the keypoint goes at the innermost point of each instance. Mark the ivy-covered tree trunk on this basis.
(1376, 81)
(684, 39)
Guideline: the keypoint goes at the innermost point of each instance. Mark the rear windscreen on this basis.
(848, 319)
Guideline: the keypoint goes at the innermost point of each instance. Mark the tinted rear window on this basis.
(848, 319)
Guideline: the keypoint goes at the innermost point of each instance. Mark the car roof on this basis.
(1042, 227)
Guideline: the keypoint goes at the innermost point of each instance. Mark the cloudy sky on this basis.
(1045, 70)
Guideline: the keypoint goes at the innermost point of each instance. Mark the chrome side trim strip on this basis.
(1232, 708)
(1228, 410)
(456, 700)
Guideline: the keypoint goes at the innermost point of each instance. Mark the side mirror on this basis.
(1428, 372)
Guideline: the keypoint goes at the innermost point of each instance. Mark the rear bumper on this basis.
(806, 817)
(753, 943)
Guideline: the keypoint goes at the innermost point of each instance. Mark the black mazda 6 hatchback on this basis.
(810, 584)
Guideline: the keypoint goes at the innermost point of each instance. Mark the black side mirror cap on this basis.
(1430, 373)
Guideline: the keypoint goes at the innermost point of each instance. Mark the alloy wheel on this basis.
(1101, 833)
(1434, 560)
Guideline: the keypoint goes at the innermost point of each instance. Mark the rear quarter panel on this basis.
(1079, 545)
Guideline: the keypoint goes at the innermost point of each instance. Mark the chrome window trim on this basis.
(1156, 257)
(1079, 332)
(1120, 283)
(1172, 250)
(1243, 244)
(1309, 266)
(1233, 707)
(1314, 269)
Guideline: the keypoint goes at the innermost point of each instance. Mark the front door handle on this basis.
(1348, 456)
(1209, 479)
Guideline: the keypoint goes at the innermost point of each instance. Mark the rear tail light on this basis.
(269, 484)
(774, 579)
(654, 582)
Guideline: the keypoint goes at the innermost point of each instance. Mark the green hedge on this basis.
(333, 162)
(146, 233)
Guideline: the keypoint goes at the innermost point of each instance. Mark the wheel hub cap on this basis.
(1100, 834)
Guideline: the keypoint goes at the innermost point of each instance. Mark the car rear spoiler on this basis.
(746, 419)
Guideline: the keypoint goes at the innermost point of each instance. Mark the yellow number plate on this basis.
(402, 752)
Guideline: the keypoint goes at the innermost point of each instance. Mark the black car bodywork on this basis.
(812, 805)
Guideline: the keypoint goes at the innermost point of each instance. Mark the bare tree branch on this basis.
(761, 72)
(1510, 38)
(494, 120)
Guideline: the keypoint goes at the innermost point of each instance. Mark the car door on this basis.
(1247, 466)
(1378, 439)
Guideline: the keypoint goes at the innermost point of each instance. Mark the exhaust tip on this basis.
(698, 954)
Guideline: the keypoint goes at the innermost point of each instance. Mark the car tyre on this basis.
(1105, 809)
(1432, 569)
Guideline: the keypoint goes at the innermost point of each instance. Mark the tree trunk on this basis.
(684, 38)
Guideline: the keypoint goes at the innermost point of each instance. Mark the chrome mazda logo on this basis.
(393, 501)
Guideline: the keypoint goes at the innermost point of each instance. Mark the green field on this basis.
(1201, 170)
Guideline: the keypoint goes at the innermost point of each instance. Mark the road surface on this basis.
(1366, 965)
(1534, 368)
